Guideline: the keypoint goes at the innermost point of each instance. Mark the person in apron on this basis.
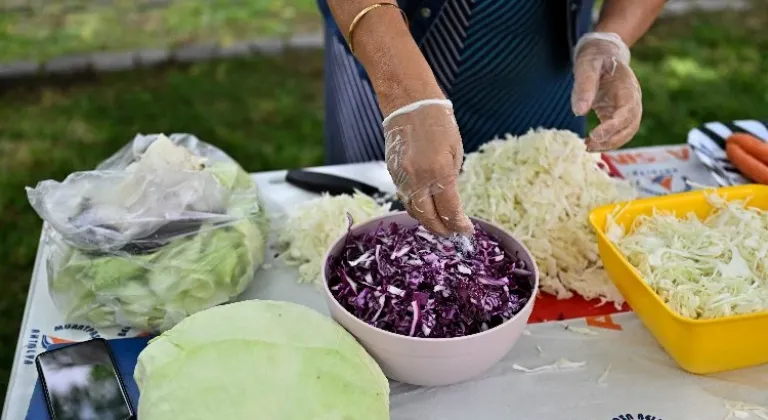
(418, 83)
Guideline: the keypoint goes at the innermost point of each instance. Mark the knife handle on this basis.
(321, 183)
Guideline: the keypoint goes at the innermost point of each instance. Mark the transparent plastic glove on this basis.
(424, 153)
(605, 82)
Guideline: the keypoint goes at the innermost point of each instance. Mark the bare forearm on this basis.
(384, 46)
(630, 19)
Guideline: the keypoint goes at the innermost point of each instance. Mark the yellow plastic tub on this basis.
(698, 346)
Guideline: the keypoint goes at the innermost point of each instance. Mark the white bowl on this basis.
(434, 361)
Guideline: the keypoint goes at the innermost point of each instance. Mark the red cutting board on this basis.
(549, 308)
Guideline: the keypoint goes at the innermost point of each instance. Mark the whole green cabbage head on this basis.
(259, 360)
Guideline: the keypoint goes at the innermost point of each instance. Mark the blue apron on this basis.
(505, 64)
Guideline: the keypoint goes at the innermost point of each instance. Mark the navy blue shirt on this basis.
(505, 64)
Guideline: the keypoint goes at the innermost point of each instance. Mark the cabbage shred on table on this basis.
(312, 227)
(541, 187)
(708, 268)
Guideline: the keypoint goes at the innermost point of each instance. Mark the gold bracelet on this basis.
(364, 12)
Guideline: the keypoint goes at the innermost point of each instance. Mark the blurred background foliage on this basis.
(42, 30)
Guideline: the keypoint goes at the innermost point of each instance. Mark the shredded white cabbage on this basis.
(708, 268)
(603, 379)
(559, 365)
(741, 410)
(541, 187)
(580, 330)
(312, 227)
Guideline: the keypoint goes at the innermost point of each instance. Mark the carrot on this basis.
(748, 165)
(750, 144)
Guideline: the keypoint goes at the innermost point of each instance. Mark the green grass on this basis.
(267, 112)
(710, 68)
(56, 29)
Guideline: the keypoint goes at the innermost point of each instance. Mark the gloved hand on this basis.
(424, 153)
(605, 82)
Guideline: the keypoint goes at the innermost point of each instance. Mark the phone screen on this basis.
(81, 382)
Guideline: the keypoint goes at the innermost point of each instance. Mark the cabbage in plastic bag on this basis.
(186, 234)
(154, 184)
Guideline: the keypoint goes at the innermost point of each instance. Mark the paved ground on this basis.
(117, 61)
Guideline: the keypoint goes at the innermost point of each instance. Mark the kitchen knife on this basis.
(322, 183)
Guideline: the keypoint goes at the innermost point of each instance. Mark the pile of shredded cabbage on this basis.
(312, 227)
(541, 187)
(708, 268)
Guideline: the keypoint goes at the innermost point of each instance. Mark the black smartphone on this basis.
(82, 382)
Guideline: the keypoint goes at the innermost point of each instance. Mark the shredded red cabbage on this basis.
(410, 282)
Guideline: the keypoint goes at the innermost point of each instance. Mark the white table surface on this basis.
(641, 381)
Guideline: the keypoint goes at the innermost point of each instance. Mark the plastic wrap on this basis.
(605, 83)
(424, 153)
(164, 228)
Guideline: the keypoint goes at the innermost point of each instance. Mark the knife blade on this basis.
(322, 183)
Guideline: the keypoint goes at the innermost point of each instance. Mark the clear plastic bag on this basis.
(164, 228)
